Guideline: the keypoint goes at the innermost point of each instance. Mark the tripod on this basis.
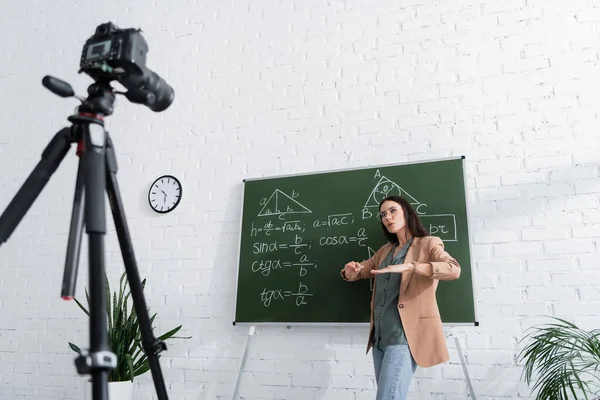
(96, 173)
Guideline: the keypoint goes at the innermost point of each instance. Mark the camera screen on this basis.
(98, 50)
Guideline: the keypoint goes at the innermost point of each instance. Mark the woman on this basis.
(406, 328)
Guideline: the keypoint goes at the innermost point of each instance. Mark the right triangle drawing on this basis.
(384, 188)
(281, 203)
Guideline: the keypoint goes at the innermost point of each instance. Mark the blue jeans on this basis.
(394, 369)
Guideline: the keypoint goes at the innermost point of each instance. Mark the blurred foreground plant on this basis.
(124, 333)
(565, 361)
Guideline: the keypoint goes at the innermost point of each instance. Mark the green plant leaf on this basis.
(143, 368)
(563, 358)
(121, 291)
(74, 348)
(87, 297)
(130, 369)
(139, 357)
(167, 335)
(82, 307)
(109, 314)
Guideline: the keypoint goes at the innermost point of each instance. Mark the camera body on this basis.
(123, 50)
(120, 54)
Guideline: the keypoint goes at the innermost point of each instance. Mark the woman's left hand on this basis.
(394, 269)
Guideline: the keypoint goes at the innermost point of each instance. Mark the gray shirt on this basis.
(388, 326)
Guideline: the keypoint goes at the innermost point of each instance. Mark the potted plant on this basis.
(124, 340)
(565, 361)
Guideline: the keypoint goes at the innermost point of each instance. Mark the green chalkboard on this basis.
(297, 232)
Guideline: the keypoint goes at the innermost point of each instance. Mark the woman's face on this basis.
(391, 215)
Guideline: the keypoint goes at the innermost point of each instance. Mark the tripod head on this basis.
(100, 100)
(114, 54)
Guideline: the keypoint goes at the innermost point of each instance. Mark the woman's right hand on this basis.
(351, 269)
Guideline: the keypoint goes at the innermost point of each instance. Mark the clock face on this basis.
(164, 194)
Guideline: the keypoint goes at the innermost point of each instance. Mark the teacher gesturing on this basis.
(406, 328)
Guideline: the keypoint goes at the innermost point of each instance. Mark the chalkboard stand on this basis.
(464, 365)
(251, 333)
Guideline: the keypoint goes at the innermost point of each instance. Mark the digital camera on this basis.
(120, 55)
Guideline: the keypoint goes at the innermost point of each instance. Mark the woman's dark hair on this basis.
(412, 221)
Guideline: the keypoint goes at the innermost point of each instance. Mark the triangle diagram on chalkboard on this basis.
(281, 203)
(385, 188)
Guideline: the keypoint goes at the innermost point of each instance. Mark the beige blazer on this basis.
(417, 304)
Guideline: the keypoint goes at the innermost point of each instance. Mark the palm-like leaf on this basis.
(124, 336)
(566, 360)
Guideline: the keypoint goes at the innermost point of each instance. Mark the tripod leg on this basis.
(52, 156)
(100, 360)
(74, 243)
(152, 346)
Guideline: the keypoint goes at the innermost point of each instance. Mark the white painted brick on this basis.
(525, 279)
(450, 386)
(587, 323)
(499, 166)
(491, 181)
(499, 193)
(575, 278)
(487, 358)
(273, 378)
(546, 190)
(574, 203)
(573, 246)
(559, 293)
(589, 293)
(518, 249)
(589, 261)
(501, 295)
(482, 210)
(351, 383)
(495, 266)
(301, 379)
(364, 368)
(551, 264)
(585, 186)
(585, 308)
(574, 173)
(495, 236)
(559, 218)
(541, 234)
(505, 342)
(516, 221)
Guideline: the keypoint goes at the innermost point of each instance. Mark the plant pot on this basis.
(116, 390)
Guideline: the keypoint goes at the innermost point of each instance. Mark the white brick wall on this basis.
(512, 85)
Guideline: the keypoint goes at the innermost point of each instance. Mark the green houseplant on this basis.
(565, 360)
(124, 334)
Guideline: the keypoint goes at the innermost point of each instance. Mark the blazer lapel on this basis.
(411, 256)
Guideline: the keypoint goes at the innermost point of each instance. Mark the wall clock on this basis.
(165, 194)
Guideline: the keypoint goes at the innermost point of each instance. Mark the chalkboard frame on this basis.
(365, 167)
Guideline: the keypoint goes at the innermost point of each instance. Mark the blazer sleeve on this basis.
(367, 264)
(441, 265)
